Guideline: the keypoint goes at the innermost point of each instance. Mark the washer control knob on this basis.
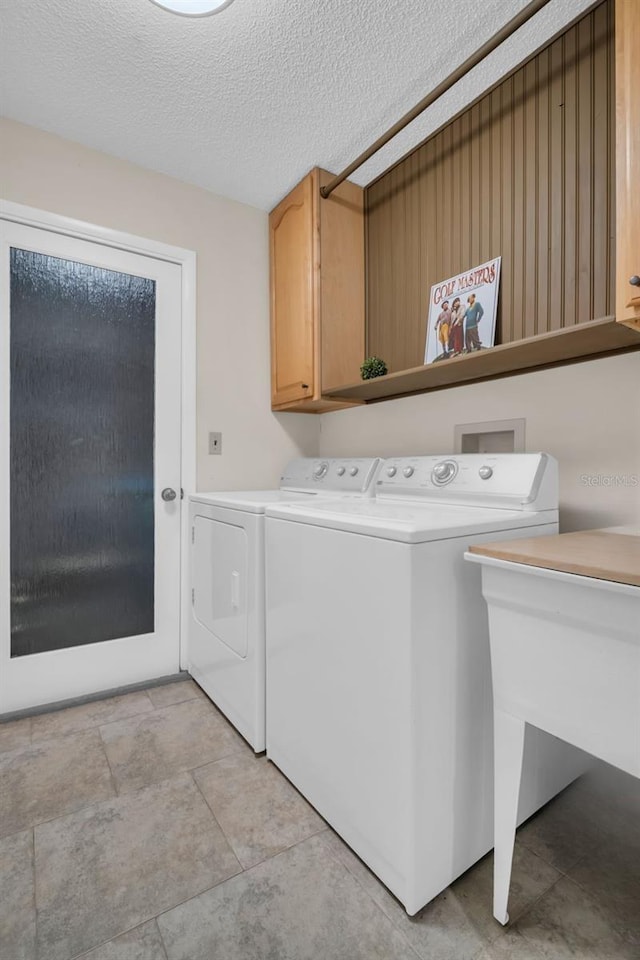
(485, 472)
(391, 471)
(408, 472)
(353, 471)
(320, 471)
(340, 471)
(444, 472)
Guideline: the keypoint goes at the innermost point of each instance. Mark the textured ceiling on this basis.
(245, 102)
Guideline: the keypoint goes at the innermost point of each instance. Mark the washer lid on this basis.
(407, 523)
(249, 501)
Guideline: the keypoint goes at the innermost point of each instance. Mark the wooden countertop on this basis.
(589, 553)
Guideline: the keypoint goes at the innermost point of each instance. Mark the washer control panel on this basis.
(339, 476)
(502, 480)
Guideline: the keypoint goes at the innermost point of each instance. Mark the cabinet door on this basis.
(627, 161)
(341, 284)
(292, 295)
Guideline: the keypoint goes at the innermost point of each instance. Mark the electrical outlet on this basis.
(215, 443)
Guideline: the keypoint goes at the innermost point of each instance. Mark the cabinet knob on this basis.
(634, 280)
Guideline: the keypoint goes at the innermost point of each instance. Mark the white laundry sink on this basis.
(565, 658)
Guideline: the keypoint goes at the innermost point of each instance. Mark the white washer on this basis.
(226, 628)
(379, 704)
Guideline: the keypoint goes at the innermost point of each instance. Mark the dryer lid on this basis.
(249, 501)
(302, 478)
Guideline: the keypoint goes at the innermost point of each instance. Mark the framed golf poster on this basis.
(462, 313)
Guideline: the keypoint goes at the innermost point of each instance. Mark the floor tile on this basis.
(143, 943)
(257, 808)
(512, 946)
(109, 864)
(108, 868)
(15, 735)
(614, 797)
(17, 905)
(149, 748)
(564, 828)
(459, 922)
(299, 905)
(566, 924)
(52, 778)
(531, 878)
(74, 719)
(610, 873)
(168, 693)
(440, 930)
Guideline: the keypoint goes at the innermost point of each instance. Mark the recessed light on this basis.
(193, 8)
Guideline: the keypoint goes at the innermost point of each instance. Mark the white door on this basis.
(90, 412)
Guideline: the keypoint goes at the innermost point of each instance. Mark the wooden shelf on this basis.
(582, 342)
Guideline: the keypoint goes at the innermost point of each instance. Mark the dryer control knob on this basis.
(340, 471)
(353, 471)
(485, 472)
(320, 471)
(391, 471)
(408, 471)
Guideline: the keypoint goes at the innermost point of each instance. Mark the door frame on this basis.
(186, 260)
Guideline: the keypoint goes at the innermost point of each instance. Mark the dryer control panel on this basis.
(333, 475)
(526, 481)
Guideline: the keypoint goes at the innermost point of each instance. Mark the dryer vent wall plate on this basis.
(492, 436)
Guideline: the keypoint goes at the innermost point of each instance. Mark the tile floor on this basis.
(142, 827)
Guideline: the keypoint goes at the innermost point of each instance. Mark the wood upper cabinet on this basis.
(317, 294)
(628, 161)
(292, 296)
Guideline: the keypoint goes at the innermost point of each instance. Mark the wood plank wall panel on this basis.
(525, 173)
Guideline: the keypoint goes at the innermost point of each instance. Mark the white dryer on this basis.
(379, 705)
(226, 638)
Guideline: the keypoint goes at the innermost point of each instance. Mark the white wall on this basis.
(231, 242)
(587, 415)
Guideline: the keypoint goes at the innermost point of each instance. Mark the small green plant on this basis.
(373, 367)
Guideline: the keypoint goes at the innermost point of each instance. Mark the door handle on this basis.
(168, 494)
(235, 589)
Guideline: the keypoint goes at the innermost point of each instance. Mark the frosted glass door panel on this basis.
(82, 355)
